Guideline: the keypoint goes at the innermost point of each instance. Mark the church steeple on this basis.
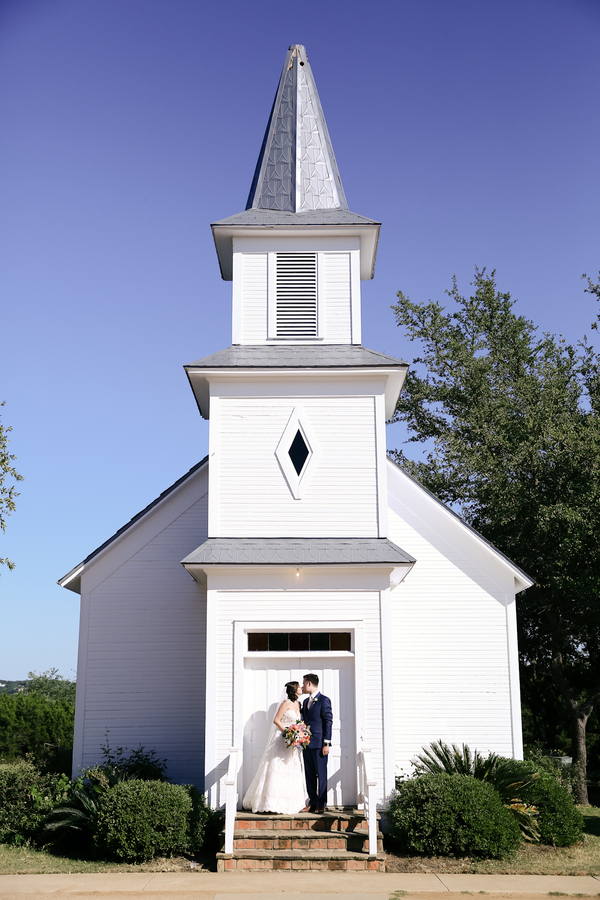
(296, 169)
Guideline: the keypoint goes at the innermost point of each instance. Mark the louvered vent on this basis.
(296, 296)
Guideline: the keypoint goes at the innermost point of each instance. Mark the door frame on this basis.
(240, 652)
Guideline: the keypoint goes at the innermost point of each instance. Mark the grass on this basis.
(32, 861)
(531, 859)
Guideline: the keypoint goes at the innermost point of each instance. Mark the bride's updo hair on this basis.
(291, 689)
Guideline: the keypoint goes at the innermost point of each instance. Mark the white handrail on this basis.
(231, 797)
(368, 785)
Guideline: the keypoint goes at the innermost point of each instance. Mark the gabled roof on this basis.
(298, 551)
(72, 579)
(296, 169)
(520, 576)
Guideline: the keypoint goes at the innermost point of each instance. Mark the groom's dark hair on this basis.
(312, 678)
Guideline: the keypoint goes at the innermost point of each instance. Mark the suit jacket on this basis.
(320, 719)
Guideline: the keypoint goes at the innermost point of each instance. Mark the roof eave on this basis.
(368, 234)
(72, 580)
(522, 579)
(200, 377)
(397, 572)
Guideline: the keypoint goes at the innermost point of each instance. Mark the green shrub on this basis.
(122, 764)
(141, 819)
(73, 823)
(26, 797)
(200, 819)
(559, 821)
(511, 779)
(452, 815)
(543, 762)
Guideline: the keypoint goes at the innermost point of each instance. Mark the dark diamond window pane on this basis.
(258, 642)
(278, 641)
(298, 452)
(299, 642)
(319, 641)
(340, 640)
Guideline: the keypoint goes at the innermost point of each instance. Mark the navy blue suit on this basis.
(320, 719)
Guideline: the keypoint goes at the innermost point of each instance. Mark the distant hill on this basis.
(11, 687)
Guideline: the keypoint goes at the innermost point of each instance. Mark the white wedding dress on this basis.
(279, 785)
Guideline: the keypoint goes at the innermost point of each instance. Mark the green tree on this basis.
(8, 477)
(30, 721)
(512, 426)
(50, 685)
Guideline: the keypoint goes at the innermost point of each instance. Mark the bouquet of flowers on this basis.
(297, 735)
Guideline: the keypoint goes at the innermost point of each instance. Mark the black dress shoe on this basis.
(320, 810)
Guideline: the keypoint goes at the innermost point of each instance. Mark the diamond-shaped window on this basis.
(298, 452)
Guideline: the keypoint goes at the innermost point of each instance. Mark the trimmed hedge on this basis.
(142, 819)
(452, 815)
(559, 820)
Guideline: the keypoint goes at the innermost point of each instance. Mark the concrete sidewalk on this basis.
(289, 886)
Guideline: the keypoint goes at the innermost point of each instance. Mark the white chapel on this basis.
(296, 545)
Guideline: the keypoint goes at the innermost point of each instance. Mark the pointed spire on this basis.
(296, 169)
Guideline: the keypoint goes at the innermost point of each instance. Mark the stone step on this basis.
(303, 860)
(305, 839)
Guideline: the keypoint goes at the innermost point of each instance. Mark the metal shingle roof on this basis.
(296, 168)
(298, 551)
(295, 356)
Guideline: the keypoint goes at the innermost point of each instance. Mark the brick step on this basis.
(334, 819)
(315, 860)
(301, 839)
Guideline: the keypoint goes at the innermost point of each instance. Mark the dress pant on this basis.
(315, 767)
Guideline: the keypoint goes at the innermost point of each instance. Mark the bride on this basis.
(279, 785)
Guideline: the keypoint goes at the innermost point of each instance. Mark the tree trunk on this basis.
(579, 752)
(579, 712)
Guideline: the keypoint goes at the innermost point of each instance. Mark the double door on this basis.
(264, 680)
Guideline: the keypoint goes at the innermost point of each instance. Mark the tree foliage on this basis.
(512, 425)
(50, 685)
(8, 478)
(29, 721)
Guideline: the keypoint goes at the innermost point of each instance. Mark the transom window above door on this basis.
(299, 642)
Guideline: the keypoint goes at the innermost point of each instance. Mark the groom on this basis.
(316, 712)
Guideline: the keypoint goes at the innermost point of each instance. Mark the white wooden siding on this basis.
(450, 647)
(254, 499)
(337, 299)
(254, 298)
(145, 652)
(273, 610)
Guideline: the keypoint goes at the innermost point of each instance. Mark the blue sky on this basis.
(469, 128)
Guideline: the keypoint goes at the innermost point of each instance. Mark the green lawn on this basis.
(30, 861)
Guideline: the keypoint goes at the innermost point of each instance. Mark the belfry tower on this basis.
(297, 520)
